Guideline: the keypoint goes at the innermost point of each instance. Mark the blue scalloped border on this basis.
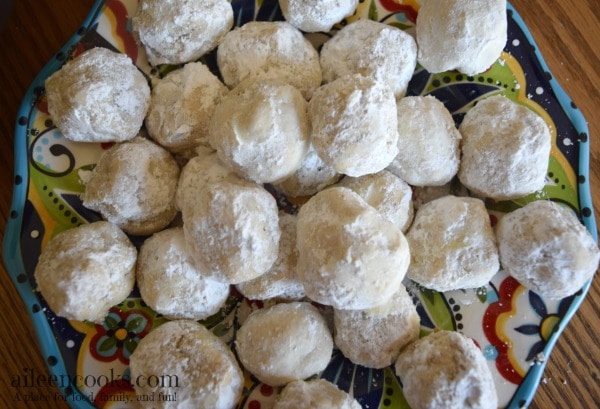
(11, 246)
(13, 261)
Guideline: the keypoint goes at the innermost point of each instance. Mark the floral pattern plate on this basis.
(515, 328)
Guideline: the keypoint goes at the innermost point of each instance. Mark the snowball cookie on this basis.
(314, 394)
(133, 185)
(311, 177)
(170, 283)
(451, 366)
(349, 255)
(181, 106)
(428, 142)
(261, 130)
(545, 247)
(280, 281)
(203, 168)
(374, 337)
(464, 35)
(452, 244)
(84, 271)
(209, 375)
(99, 96)
(316, 15)
(505, 149)
(180, 31)
(274, 49)
(375, 50)
(354, 125)
(284, 343)
(386, 192)
(233, 230)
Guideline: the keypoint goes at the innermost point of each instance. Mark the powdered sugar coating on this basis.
(316, 15)
(428, 142)
(280, 281)
(232, 231)
(261, 129)
(133, 185)
(314, 394)
(284, 342)
(197, 367)
(375, 50)
(84, 271)
(505, 149)
(180, 31)
(546, 248)
(374, 337)
(181, 106)
(170, 283)
(201, 169)
(452, 244)
(464, 35)
(311, 177)
(354, 125)
(273, 49)
(445, 369)
(386, 192)
(349, 255)
(99, 96)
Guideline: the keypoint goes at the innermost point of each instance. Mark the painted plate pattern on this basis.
(515, 328)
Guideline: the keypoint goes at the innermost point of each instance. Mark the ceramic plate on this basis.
(515, 328)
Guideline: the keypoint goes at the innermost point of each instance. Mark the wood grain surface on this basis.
(568, 35)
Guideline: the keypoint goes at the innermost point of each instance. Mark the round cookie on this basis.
(280, 280)
(354, 125)
(452, 244)
(374, 337)
(181, 106)
(201, 169)
(311, 177)
(177, 32)
(428, 142)
(84, 271)
(505, 149)
(191, 364)
(316, 15)
(133, 185)
(99, 96)
(390, 195)
(232, 231)
(349, 255)
(261, 129)
(273, 49)
(171, 284)
(375, 50)
(455, 34)
(546, 248)
(284, 342)
(445, 370)
(314, 394)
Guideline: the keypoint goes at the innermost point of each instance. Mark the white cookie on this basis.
(314, 394)
(452, 244)
(546, 248)
(84, 271)
(505, 149)
(99, 96)
(284, 343)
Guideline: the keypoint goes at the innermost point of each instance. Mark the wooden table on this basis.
(567, 33)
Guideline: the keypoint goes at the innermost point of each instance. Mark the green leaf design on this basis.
(108, 344)
(481, 293)
(134, 323)
(373, 15)
(111, 322)
(130, 345)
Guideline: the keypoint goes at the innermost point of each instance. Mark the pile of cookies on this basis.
(334, 128)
